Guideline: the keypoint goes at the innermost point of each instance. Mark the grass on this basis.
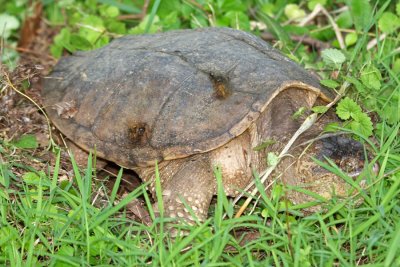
(44, 223)
(46, 220)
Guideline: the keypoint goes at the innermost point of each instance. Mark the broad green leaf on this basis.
(56, 50)
(362, 124)
(312, 3)
(31, 178)
(351, 39)
(238, 20)
(268, 9)
(109, 11)
(55, 13)
(233, 5)
(171, 21)
(371, 77)
(323, 34)
(26, 142)
(344, 20)
(79, 42)
(297, 30)
(391, 113)
(116, 27)
(389, 22)
(97, 245)
(62, 39)
(166, 7)
(329, 83)
(75, 18)
(8, 23)
(293, 11)
(333, 57)
(92, 28)
(347, 109)
(359, 86)
(361, 12)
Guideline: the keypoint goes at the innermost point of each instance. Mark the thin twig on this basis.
(302, 39)
(374, 41)
(310, 16)
(145, 7)
(130, 16)
(318, 9)
(28, 51)
(139, 16)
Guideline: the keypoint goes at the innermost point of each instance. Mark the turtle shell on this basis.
(147, 98)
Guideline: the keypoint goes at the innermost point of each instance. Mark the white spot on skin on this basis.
(167, 193)
(194, 208)
(171, 207)
(180, 214)
(191, 218)
(84, 76)
(190, 199)
(177, 199)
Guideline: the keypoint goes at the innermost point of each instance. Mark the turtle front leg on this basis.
(188, 186)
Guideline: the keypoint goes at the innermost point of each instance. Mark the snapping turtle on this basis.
(191, 100)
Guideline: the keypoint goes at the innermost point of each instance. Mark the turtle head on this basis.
(348, 154)
(333, 166)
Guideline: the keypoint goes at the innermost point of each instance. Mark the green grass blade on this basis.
(116, 186)
(153, 12)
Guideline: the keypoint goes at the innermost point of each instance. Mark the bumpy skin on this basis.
(191, 100)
